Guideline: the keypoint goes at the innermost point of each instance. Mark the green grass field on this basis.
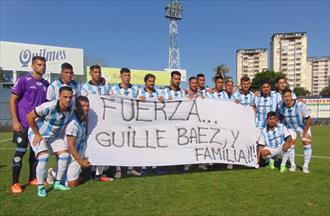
(240, 191)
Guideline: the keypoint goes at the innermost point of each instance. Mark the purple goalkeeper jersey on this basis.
(31, 92)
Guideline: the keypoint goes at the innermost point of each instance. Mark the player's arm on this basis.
(30, 118)
(287, 139)
(261, 145)
(71, 141)
(307, 126)
(13, 111)
(307, 117)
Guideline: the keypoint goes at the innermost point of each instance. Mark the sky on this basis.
(135, 34)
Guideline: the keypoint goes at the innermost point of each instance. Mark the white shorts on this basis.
(73, 171)
(258, 133)
(294, 132)
(274, 151)
(55, 144)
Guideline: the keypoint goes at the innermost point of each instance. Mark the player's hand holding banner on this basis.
(128, 132)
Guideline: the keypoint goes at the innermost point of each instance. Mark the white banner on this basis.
(128, 132)
(18, 57)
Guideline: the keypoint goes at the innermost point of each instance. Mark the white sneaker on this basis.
(257, 166)
(50, 178)
(230, 166)
(305, 169)
(293, 168)
(133, 172)
(118, 174)
(186, 167)
(202, 166)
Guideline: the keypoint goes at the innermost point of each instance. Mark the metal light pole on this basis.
(173, 12)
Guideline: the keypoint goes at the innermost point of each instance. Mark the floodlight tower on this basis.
(173, 12)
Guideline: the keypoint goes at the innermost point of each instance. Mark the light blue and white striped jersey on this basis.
(51, 120)
(54, 88)
(245, 100)
(265, 104)
(202, 91)
(213, 94)
(149, 95)
(131, 91)
(77, 128)
(226, 96)
(170, 93)
(274, 138)
(103, 88)
(294, 96)
(293, 117)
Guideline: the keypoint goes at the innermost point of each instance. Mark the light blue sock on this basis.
(62, 165)
(41, 168)
(307, 154)
(292, 155)
(285, 157)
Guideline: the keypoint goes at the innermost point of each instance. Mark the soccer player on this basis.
(28, 92)
(97, 85)
(274, 141)
(244, 95)
(265, 102)
(174, 91)
(218, 88)
(229, 90)
(45, 133)
(125, 88)
(149, 93)
(75, 137)
(281, 84)
(201, 84)
(296, 117)
(66, 79)
(193, 92)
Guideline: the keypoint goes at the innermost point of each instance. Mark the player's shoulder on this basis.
(75, 84)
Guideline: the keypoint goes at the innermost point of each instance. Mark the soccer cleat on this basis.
(202, 166)
(282, 169)
(33, 182)
(16, 188)
(271, 164)
(133, 172)
(118, 174)
(230, 166)
(293, 168)
(105, 179)
(305, 169)
(50, 178)
(42, 191)
(58, 186)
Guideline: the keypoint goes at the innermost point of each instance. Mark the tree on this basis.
(325, 91)
(266, 76)
(221, 70)
(301, 91)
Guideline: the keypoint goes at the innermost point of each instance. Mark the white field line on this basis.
(5, 140)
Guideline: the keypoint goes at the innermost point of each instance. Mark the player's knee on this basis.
(43, 157)
(63, 155)
(265, 153)
(18, 156)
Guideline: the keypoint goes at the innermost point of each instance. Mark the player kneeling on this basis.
(274, 141)
(75, 137)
